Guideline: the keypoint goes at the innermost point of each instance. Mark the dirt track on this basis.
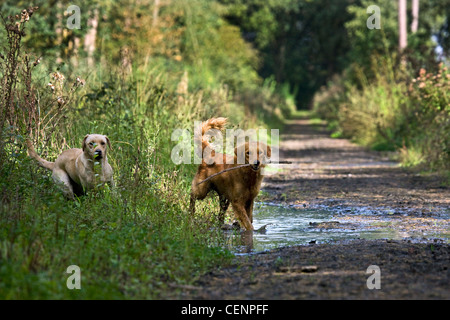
(337, 173)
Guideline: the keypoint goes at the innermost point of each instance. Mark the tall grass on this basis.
(136, 240)
(395, 110)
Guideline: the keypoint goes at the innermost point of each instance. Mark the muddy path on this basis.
(339, 175)
(336, 172)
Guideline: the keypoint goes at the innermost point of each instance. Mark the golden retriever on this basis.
(75, 170)
(238, 187)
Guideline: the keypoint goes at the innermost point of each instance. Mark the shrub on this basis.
(428, 117)
(393, 112)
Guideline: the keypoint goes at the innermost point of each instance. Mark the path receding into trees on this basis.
(365, 188)
(337, 172)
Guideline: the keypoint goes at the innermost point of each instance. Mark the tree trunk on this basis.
(59, 32)
(74, 57)
(402, 26)
(90, 37)
(155, 13)
(415, 16)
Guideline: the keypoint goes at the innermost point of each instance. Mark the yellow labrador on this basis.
(77, 170)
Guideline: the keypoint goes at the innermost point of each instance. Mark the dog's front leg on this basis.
(239, 210)
(249, 209)
(224, 204)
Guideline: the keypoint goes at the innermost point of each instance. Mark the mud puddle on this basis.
(297, 225)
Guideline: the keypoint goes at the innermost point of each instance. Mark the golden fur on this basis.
(238, 187)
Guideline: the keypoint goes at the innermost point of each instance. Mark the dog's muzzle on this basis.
(98, 154)
(255, 165)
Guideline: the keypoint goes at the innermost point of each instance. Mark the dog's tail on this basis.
(213, 123)
(43, 163)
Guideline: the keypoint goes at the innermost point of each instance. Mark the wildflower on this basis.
(38, 60)
(51, 86)
(80, 82)
(60, 101)
(15, 29)
(422, 85)
(410, 88)
(31, 10)
(25, 16)
(422, 71)
(58, 76)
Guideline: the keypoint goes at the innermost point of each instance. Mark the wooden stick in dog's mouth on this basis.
(238, 167)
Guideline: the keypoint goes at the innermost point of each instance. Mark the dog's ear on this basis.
(84, 142)
(108, 142)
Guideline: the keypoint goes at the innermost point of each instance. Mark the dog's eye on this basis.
(91, 144)
(102, 143)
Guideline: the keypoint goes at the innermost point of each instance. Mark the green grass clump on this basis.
(135, 240)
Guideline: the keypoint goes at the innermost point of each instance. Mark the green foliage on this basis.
(125, 248)
(379, 102)
(428, 119)
(215, 49)
(136, 240)
(365, 43)
(303, 43)
(157, 68)
(130, 242)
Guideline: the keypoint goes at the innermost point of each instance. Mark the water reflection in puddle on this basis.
(287, 226)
